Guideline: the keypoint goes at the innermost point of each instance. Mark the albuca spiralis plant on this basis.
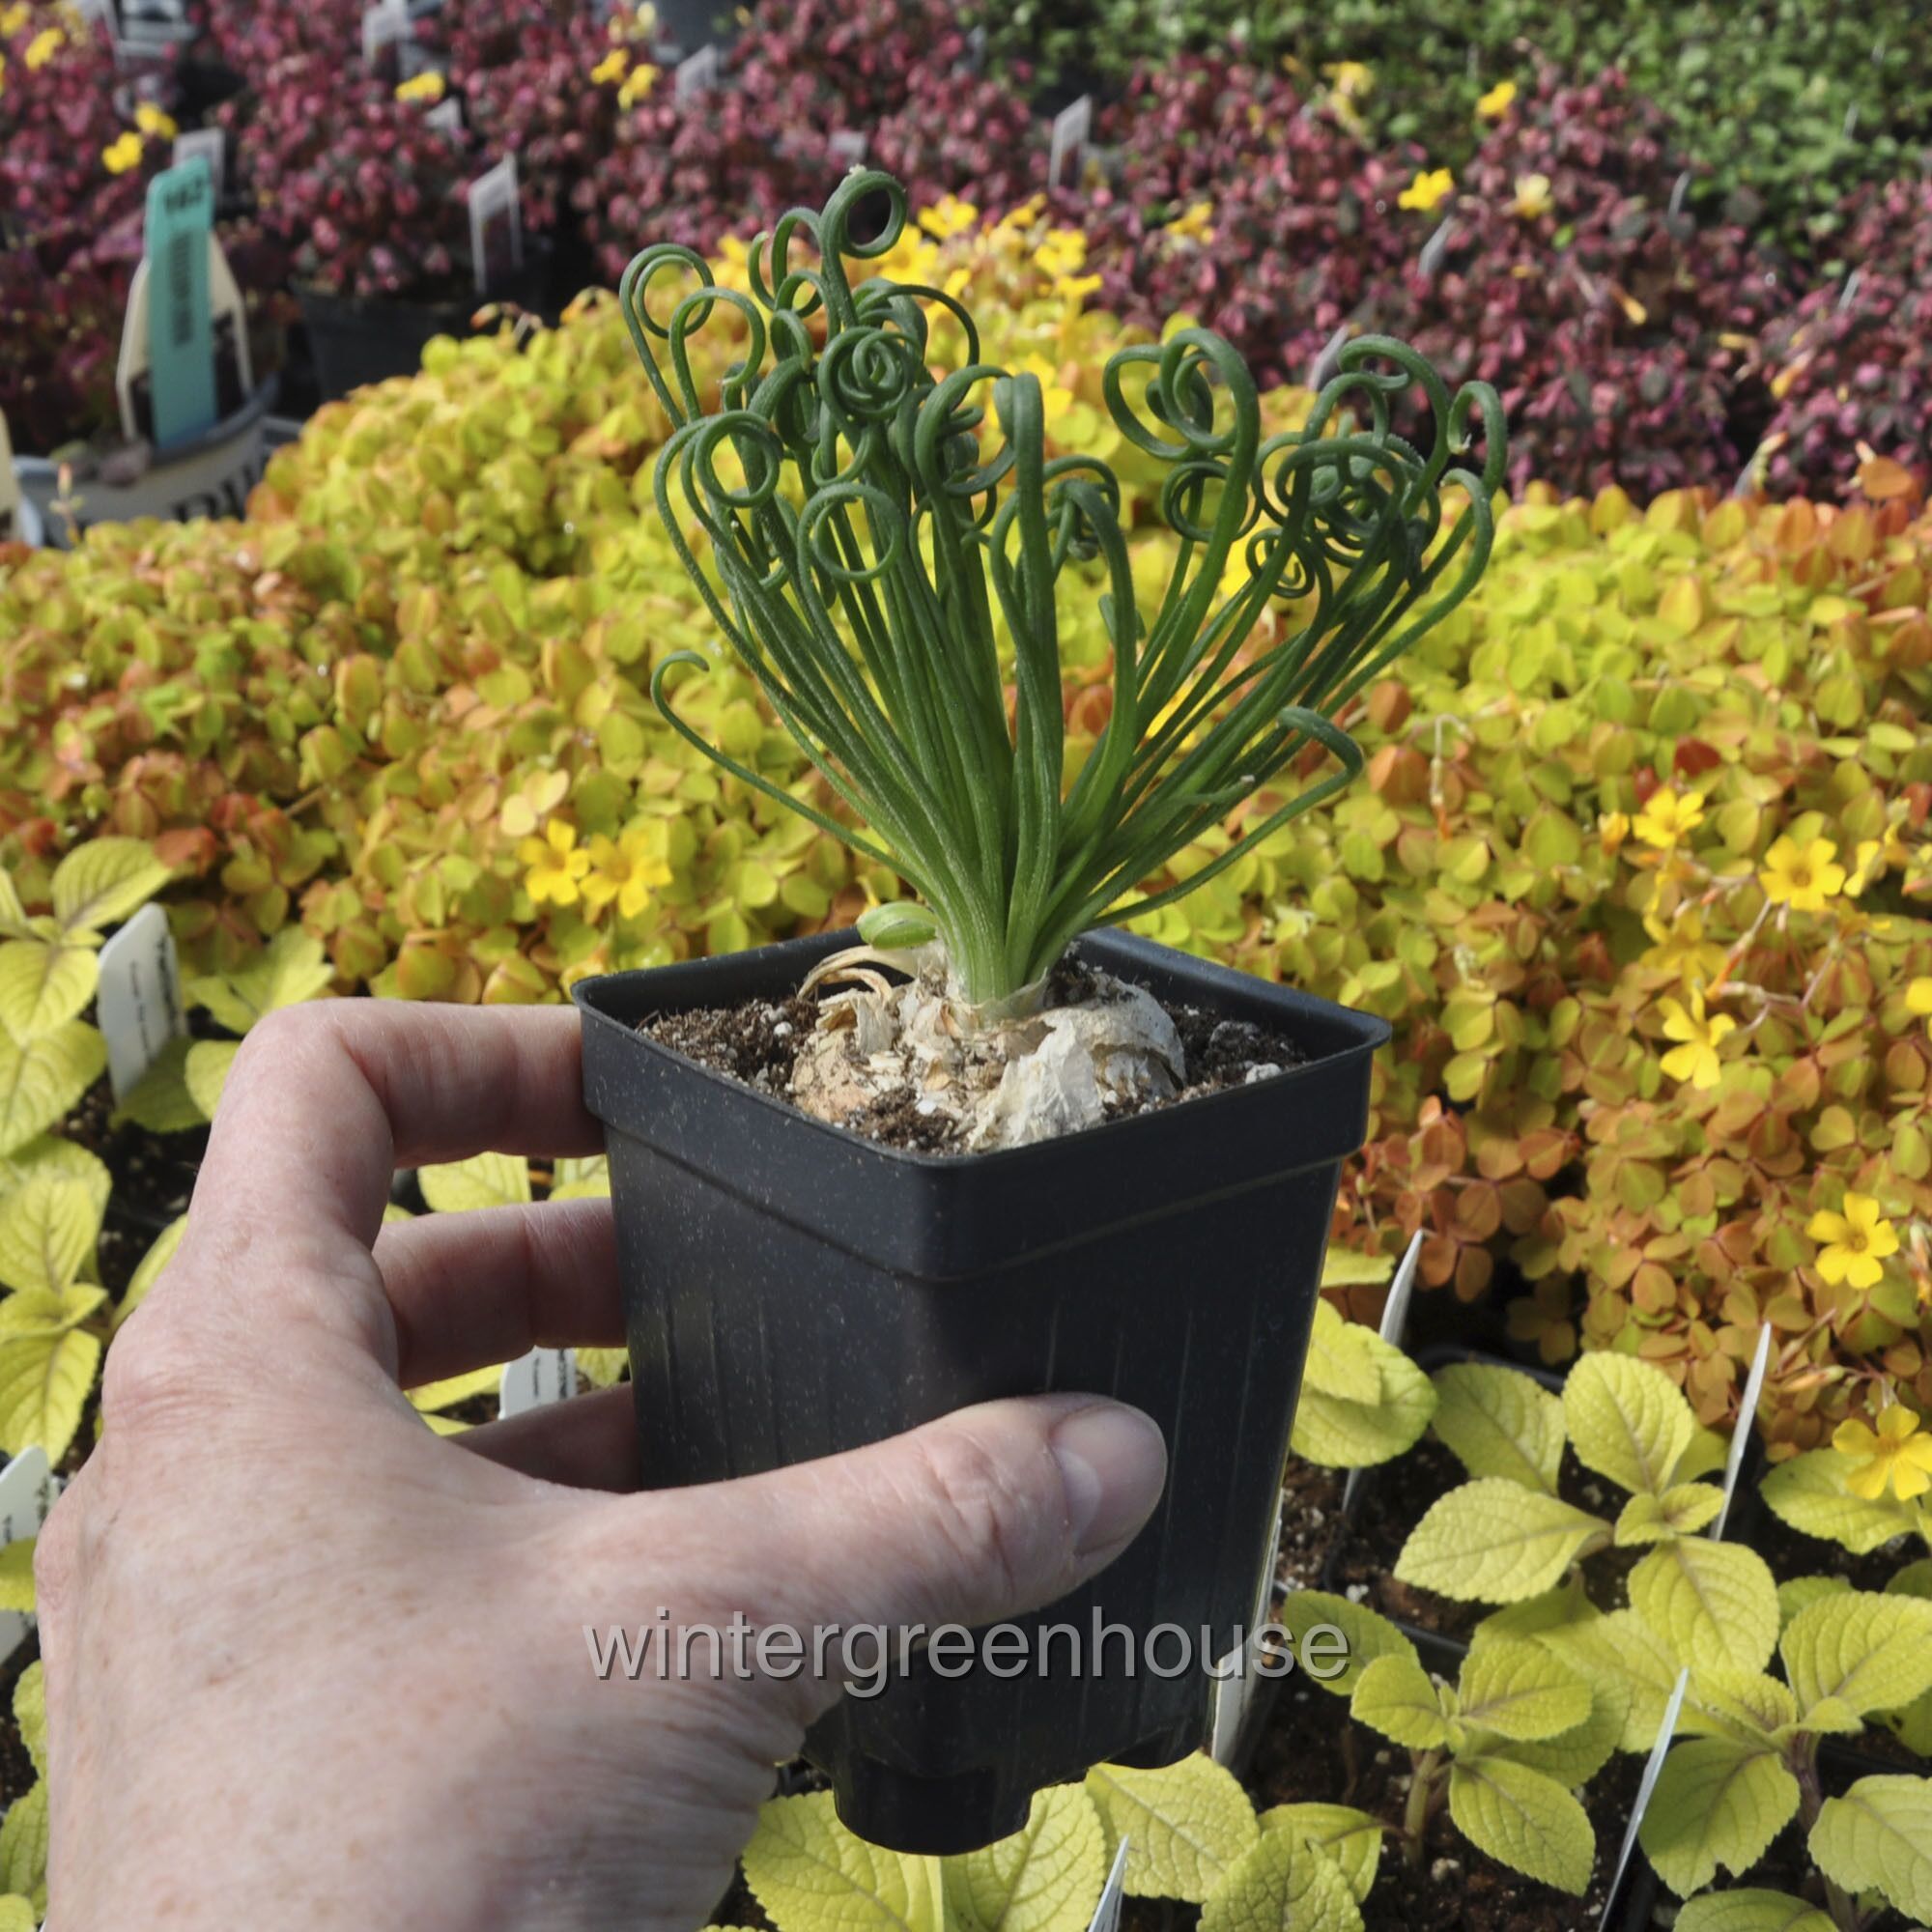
(872, 527)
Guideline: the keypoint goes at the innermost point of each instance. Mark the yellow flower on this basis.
(638, 84)
(1428, 188)
(428, 85)
(1074, 287)
(43, 46)
(3, 73)
(625, 869)
(554, 864)
(1532, 197)
(1669, 818)
(1801, 877)
(1682, 948)
(1856, 1243)
(1192, 225)
(1918, 1000)
(1876, 858)
(613, 66)
(1893, 1456)
(1350, 78)
(155, 121)
(1061, 252)
(12, 18)
(948, 216)
(1496, 103)
(123, 154)
(1055, 397)
(1612, 829)
(1025, 214)
(1695, 1059)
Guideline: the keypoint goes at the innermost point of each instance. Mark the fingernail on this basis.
(1113, 1463)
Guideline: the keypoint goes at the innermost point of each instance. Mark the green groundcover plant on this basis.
(870, 545)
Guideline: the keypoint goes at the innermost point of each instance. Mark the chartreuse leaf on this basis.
(1622, 1649)
(16, 1914)
(1809, 1494)
(1521, 1692)
(1578, 1755)
(23, 1842)
(1045, 1878)
(47, 1154)
(16, 1576)
(102, 882)
(1708, 1453)
(1878, 1838)
(806, 1871)
(455, 1389)
(1526, 1820)
(47, 1365)
(43, 983)
(1366, 1634)
(40, 1080)
(13, 914)
(1569, 1603)
(1282, 1884)
(46, 1231)
(1750, 1909)
(1350, 1838)
(1401, 1701)
(1799, 1593)
(1187, 1826)
(1494, 1542)
(603, 1368)
(161, 1101)
(1628, 1421)
(580, 1179)
(899, 927)
(1499, 1422)
(30, 1714)
(205, 1071)
(484, 1180)
(1362, 1401)
(1682, 1510)
(1714, 1603)
(1718, 1801)
(149, 1269)
(291, 969)
(1868, 1651)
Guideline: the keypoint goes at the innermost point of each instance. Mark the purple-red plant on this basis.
(62, 329)
(1850, 370)
(1572, 274)
(366, 194)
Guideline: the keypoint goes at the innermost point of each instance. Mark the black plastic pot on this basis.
(793, 1290)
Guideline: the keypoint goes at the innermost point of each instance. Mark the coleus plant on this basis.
(1508, 1537)
(872, 546)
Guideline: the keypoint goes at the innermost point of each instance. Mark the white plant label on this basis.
(208, 144)
(537, 1379)
(100, 12)
(1430, 260)
(413, 58)
(383, 26)
(1235, 1691)
(1395, 1320)
(493, 199)
(447, 115)
(1652, 1772)
(27, 1491)
(1107, 1915)
(1326, 363)
(848, 147)
(139, 1004)
(700, 70)
(1072, 126)
(1742, 1433)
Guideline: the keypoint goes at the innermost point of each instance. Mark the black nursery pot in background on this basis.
(793, 1290)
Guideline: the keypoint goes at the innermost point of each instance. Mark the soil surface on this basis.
(1311, 1520)
(757, 1042)
(153, 1174)
(17, 1768)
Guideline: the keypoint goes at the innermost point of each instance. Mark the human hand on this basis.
(309, 1665)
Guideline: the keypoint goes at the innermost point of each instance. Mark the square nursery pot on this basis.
(793, 1290)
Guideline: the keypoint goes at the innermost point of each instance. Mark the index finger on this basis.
(326, 1100)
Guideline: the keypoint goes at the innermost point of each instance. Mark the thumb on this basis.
(980, 1517)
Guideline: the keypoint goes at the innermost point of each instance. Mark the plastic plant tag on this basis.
(1072, 126)
(1234, 1687)
(413, 58)
(1430, 260)
(140, 1005)
(537, 1379)
(137, 341)
(695, 73)
(496, 214)
(1395, 1320)
(180, 327)
(27, 1491)
(1741, 1434)
(208, 146)
(446, 114)
(99, 13)
(1652, 1772)
(848, 147)
(382, 25)
(1107, 1915)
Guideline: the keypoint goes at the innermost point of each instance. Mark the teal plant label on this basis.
(181, 329)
